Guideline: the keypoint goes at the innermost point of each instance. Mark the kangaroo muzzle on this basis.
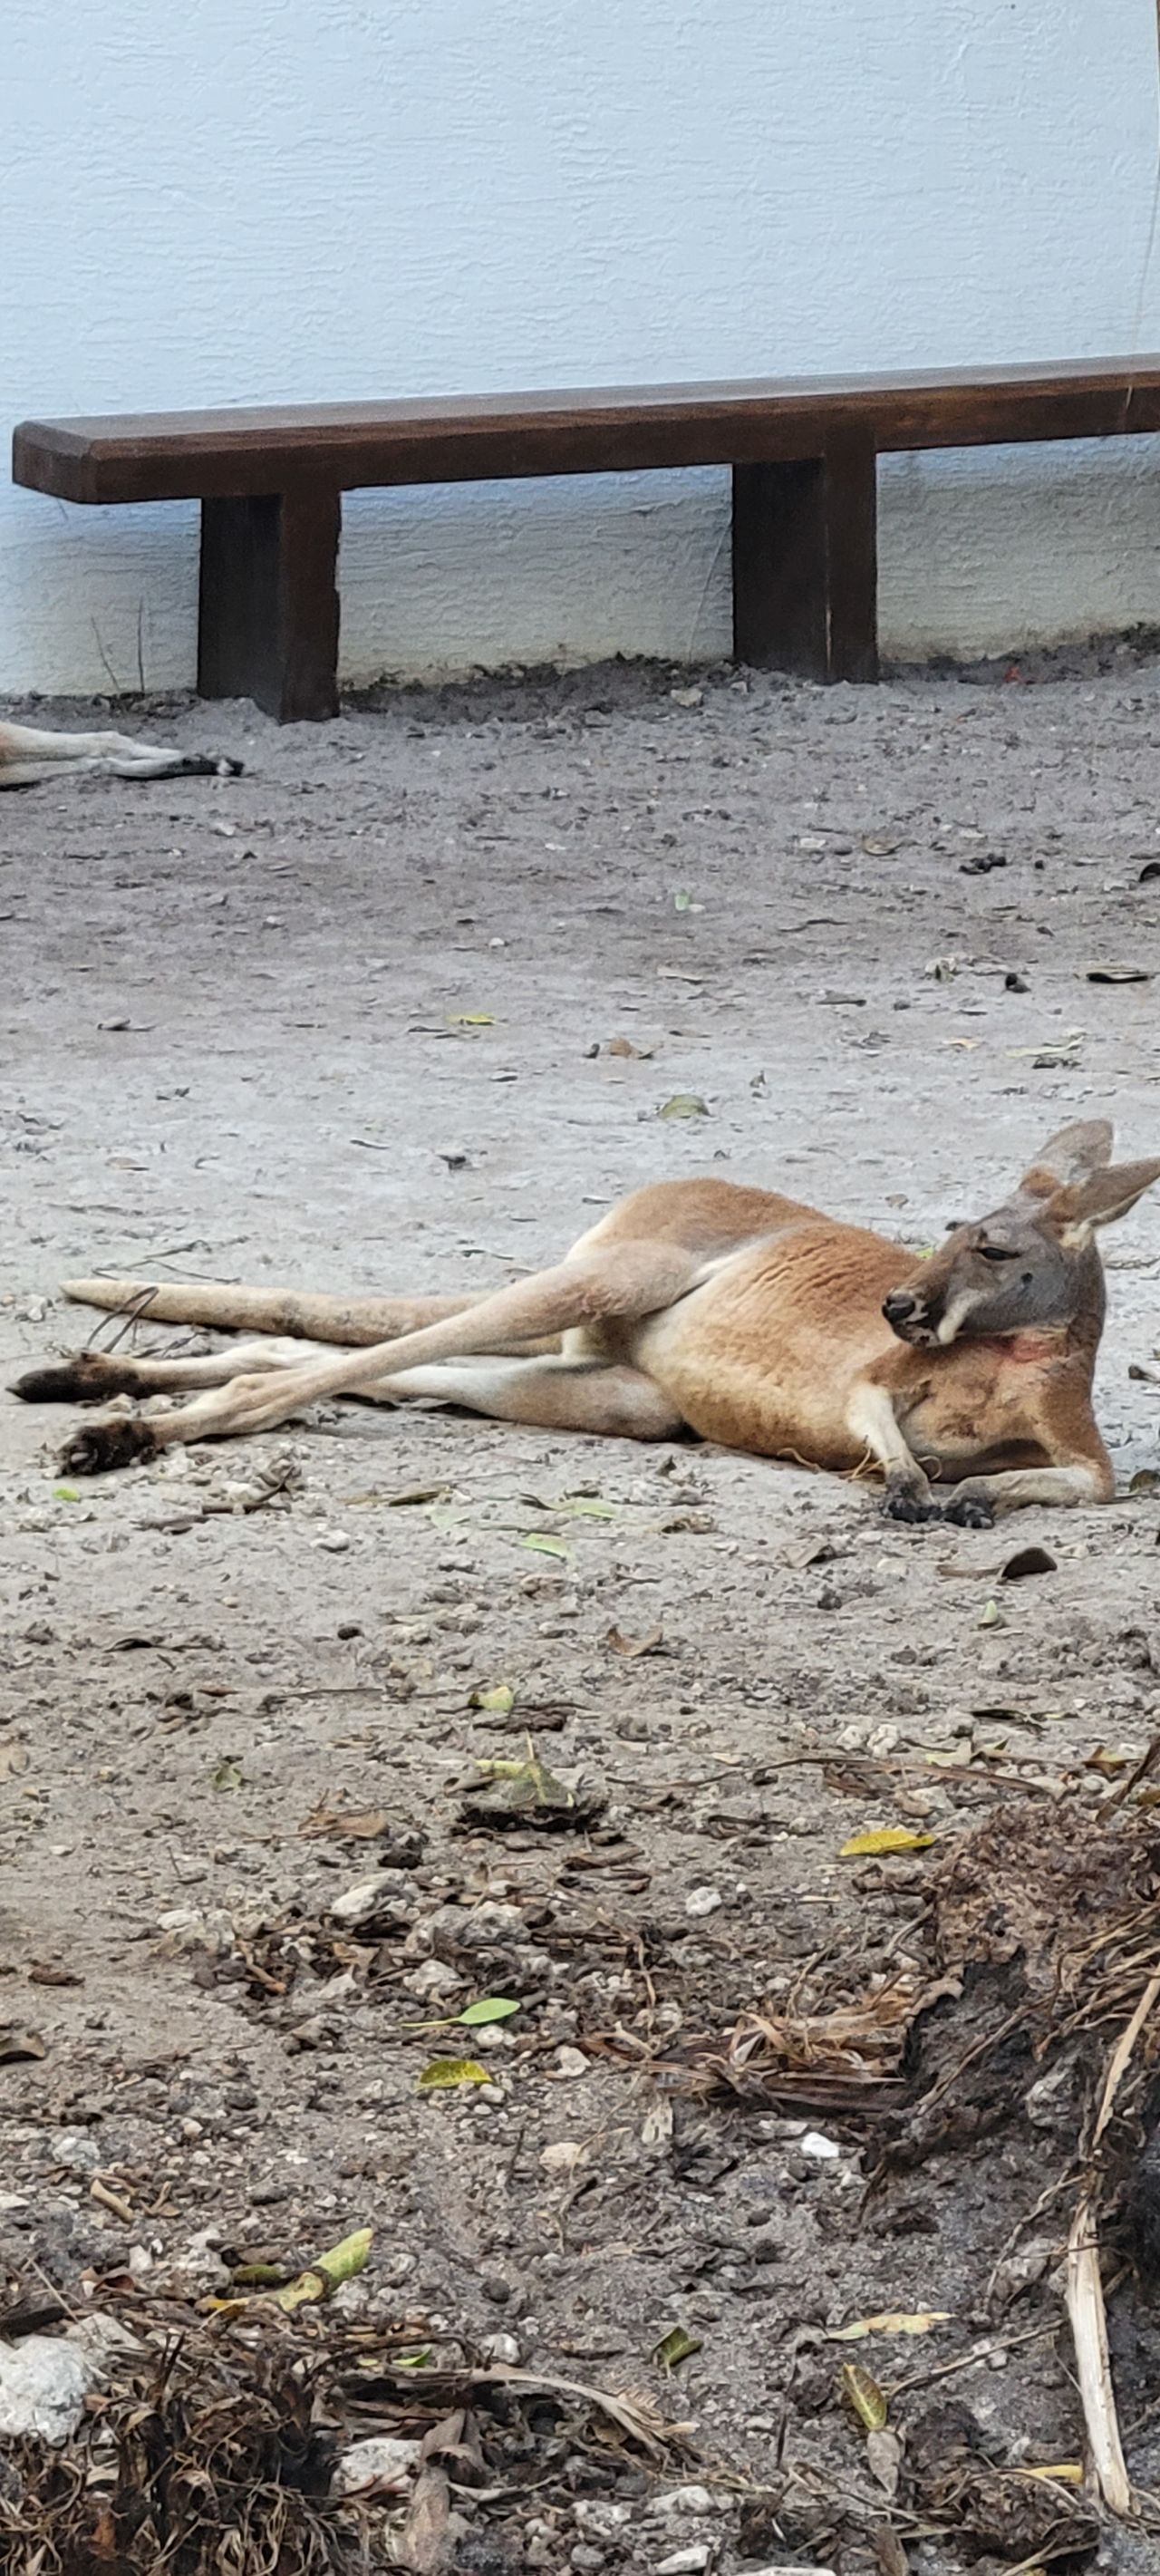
(910, 1316)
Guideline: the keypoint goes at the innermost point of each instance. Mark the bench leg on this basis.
(268, 605)
(805, 563)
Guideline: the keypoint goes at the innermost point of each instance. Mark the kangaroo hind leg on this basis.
(620, 1284)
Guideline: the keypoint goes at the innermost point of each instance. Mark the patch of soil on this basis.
(353, 1020)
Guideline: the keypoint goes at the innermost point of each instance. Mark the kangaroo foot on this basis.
(88, 1378)
(124, 1441)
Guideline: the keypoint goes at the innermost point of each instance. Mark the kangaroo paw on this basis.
(902, 1506)
(124, 1441)
(970, 1513)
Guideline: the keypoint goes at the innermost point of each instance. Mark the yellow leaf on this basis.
(865, 2396)
(471, 1020)
(894, 2321)
(1064, 2473)
(886, 1838)
(499, 1700)
(684, 1104)
(444, 2072)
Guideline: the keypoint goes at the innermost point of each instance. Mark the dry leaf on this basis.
(17, 2044)
(864, 2395)
(1118, 975)
(499, 1699)
(887, 1838)
(884, 2459)
(635, 1646)
(1027, 1560)
(893, 2321)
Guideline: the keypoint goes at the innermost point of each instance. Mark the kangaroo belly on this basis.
(765, 1355)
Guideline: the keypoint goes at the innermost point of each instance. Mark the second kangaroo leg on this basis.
(94, 1377)
(620, 1283)
(616, 1402)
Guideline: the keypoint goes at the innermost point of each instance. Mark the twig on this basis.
(1085, 2294)
(967, 2360)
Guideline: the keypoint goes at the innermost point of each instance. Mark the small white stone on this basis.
(383, 2458)
(335, 1541)
(685, 2562)
(703, 1900)
(563, 2156)
(501, 2347)
(598, 2518)
(814, 2144)
(571, 2062)
(43, 2386)
(692, 2499)
(357, 1903)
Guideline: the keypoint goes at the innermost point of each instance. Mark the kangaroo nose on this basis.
(900, 1306)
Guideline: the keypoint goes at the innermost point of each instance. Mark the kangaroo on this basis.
(27, 757)
(699, 1306)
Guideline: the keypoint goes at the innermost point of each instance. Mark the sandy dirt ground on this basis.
(345, 1022)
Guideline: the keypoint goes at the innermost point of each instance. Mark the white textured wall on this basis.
(301, 199)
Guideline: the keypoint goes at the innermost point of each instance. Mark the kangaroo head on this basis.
(1033, 1263)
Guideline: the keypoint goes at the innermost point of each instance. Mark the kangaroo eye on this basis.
(995, 1252)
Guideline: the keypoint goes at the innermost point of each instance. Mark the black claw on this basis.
(970, 1514)
(123, 1442)
(901, 1506)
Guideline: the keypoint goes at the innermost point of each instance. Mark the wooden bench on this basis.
(803, 454)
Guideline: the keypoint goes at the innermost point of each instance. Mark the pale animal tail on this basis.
(352, 1322)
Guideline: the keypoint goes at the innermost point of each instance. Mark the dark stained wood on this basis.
(168, 456)
(268, 602)
(803, 452)
(805, 561)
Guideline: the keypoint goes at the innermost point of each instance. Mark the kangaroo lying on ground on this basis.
(696, 1305)
(28, 756)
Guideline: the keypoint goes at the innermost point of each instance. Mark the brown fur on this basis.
(743, 1316)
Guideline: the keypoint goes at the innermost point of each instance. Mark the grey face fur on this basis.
(1032, 1265)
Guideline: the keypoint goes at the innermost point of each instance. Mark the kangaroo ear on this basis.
(1099, 1200)
(1069, 1157)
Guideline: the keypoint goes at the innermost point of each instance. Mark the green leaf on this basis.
(489, 2008)
(499, 1699)
(229, 1774)
(407, 2360)
(445, 2072)
(66, 1493)
(675, 2347)
(545, 1546)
